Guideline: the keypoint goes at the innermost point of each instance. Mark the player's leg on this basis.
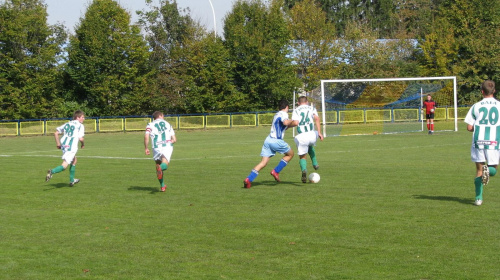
(72, 170)
(285, 149)
(478, 183)
(159, 173)
(312, 155)
(247, 183)
(490, 169)
(302, 148)
(479, 158)
(66, 158)
(266, 153)
(432, 124)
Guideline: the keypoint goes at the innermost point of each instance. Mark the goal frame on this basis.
(323, 107)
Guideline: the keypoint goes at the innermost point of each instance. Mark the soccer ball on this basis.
(314, 177)
(432, 110)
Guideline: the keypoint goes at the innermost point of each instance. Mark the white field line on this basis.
(235, 156)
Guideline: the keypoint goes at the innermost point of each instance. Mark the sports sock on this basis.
(72, 169)
(312, 154)
(432, 127)
(303, 164)
(493, 171)
(428, 126)
(57, 169)
(478, 183)
(163, 166)
(253, 175)
(280, 166)
(161, 182)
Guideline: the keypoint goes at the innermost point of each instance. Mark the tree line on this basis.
(168, 61)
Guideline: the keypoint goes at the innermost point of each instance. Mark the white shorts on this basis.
(166, 152)
(304, 140)
(68, 156)
(491, 157)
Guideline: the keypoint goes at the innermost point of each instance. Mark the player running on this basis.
(73, 132)
(305, 117)
(162, 140)
(483, 119)
(274, 143)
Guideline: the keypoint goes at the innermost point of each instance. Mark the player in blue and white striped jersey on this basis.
(73, 133)
(483, 119)
(274, 143)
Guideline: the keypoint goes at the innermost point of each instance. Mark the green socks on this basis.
(72, 169)
(312, 154)
(492, 170)
(58, 169)
(163, 166)
(303, 164)
(478, 183)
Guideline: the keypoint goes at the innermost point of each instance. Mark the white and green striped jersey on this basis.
(305, 115)
(484, 116)
(161, 133)
(73, 131)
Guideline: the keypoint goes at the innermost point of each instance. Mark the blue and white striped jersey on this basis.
(278, 128)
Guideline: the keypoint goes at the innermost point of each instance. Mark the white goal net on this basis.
(381, 106)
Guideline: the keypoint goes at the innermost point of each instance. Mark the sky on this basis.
(68, 12)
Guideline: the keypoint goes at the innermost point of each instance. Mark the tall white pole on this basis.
(215, 23)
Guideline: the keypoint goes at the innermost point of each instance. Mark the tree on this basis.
(315, 47)
(464, 43)
(208, 78)
(108, 67)
(30, 51)
(257, 39)
(167, 29)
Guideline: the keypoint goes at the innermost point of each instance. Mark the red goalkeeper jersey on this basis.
(429, 105)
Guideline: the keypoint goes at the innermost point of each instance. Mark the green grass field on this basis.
(387, 207)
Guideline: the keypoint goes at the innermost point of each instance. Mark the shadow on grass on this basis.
(145, 189)
(445, 198)
(58, 186)
(274, 184)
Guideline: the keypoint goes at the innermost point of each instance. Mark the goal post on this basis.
(386, 105)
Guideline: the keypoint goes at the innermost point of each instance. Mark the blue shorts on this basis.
(272, 145)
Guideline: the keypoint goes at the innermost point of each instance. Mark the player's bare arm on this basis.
(292, 123)
(318, 127)
(146, 143)
(58, 141)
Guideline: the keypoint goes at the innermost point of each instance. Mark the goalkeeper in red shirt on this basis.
(430, 106)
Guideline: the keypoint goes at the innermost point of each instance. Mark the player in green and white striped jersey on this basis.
(162, 142)
(483, 120)
(305, 117)
(73, 132)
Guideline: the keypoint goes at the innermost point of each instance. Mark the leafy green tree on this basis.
(108, 69)
(257, 38)
(464, 43)
(30, 52)
(167, 29)
(208, 78)
(316, 51)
